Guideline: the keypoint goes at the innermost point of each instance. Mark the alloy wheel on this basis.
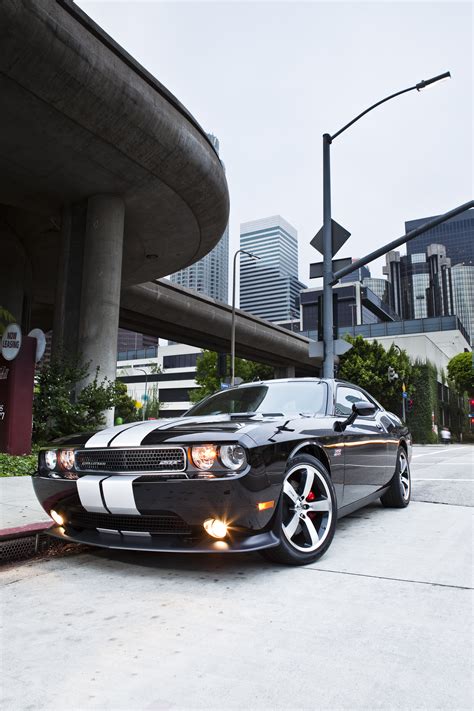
(404, 470)
(307, 508)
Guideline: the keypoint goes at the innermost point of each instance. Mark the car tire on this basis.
(306, 517)
(399, 493)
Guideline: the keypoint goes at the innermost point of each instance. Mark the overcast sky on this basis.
(269, 78)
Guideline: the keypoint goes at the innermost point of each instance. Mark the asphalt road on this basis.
(383, 621)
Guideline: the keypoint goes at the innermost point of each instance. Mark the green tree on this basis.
(57, 411)
(424, 393)
(460, 370)
(124, 405)
(209, 381)
(367, 364)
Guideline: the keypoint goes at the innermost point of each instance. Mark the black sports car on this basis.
(267, 466)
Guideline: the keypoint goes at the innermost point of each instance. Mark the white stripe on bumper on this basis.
(88, 488)
(118, 494)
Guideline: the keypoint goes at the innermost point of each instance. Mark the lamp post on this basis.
(146, 386)
(328, 317)
(232, 338)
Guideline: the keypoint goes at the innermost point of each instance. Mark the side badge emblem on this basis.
(337, 452)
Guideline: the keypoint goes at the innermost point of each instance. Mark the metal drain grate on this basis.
(21, 548)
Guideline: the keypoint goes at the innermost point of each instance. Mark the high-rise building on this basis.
(357, 275)
(425, 285)
(210, 275)
(456, 235)
(269, 286)
(462, 277)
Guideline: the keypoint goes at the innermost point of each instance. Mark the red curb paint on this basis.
(26, 530)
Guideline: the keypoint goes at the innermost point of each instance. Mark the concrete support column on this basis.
(67, 302)
(101, 279)
(15, 275)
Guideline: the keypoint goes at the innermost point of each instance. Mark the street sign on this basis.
(316, 348)
(405, 395)
(316, 270)
(339, 238)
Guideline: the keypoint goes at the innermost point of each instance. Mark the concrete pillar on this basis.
(67, 302)
(101, 280)
(15, 276)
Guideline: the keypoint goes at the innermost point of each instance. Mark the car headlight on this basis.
(204, 455)
(66, 459)
(233, 456)
(50, 459)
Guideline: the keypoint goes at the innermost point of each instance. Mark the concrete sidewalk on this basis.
(19, 506)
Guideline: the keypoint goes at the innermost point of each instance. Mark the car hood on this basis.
(219, 427)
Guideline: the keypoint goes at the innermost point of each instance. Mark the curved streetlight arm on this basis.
(421, 85)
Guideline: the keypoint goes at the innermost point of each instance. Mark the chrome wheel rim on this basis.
(404, 470)
(307, 508)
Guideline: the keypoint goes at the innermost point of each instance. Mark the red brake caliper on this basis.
(311, 496)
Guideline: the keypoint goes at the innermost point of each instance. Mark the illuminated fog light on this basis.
(204, 455)
(66, 459)
(50, 459)
(233, 456)
(216, 528)
(57, 518)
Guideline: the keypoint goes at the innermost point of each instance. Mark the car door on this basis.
(365, 447)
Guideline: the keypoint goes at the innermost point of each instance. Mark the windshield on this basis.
(293, 398)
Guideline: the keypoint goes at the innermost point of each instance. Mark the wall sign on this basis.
(11, 341)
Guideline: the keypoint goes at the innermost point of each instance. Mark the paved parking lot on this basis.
(383, 621)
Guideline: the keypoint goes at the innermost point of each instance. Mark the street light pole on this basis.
(146, 386)
(232, 337)
(328, 317)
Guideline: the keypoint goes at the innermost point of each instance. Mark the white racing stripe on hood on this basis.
(103, 437)
(134, 436)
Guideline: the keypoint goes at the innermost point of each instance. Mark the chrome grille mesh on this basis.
(139, 459)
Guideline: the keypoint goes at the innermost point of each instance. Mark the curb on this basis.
(29, 529)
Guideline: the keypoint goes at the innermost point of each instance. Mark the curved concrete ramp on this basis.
(80, 117)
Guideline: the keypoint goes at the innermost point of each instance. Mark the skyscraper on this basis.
(425, 285)
(456, 235)
(210, 275)
(269, 287)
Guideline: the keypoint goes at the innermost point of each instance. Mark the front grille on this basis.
(164, 522)
(139, 459)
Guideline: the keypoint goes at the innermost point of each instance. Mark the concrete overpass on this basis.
(107, 182)
(106, 179)
(187, 317)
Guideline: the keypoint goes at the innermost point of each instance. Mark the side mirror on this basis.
(363, 408)
(359, 409)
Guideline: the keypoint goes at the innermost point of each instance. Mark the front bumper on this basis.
(162, 515)
(168, 544)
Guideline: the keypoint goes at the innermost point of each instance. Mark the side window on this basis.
(345, 398)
